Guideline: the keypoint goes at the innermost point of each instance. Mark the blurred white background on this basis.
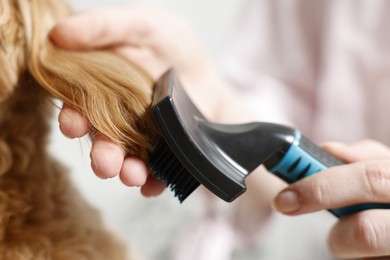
(148, 225)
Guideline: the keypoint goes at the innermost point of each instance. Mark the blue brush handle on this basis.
(304, 158)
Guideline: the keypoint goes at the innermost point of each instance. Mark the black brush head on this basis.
(167, 167)
(184, 158)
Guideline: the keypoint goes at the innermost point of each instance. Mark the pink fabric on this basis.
(212, 237)
(220, 230)
(322, 66)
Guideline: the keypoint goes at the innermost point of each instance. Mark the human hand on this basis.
(153, 40)
(150, 39)
(107, 158)
(365, 179)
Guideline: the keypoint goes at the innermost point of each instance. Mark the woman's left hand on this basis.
(155, 41)
(366, 178)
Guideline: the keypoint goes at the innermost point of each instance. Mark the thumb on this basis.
(102, 28)
(362, 150)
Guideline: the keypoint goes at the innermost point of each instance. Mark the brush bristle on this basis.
(168, 168)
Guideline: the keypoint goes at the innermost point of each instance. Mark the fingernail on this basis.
(287, 202)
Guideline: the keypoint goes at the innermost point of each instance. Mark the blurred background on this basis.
(153, 226)
(149, 225)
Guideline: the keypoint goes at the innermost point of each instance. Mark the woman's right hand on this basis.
(364, 179)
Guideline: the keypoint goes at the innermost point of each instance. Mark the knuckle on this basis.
(100, 29)
(156, 34)
(374, 144)
(376, 179)
(318, 193)
(150, 33)
(334, 247)
(368, 141)
(150, 28)
(365, 233)
(150, 20)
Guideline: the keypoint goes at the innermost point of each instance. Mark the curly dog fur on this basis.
(42, 216)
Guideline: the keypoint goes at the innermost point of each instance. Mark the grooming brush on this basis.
(194, 151)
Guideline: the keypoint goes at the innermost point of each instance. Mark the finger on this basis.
(72, 123)
(366, 234)
(147, 59)
(376, 258)
(337, 149)
(363, 150)
(134, 172)
(102, 28)
(152, 187)
(106, 157)
(360, 182)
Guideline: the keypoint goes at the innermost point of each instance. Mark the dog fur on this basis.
(42, 216)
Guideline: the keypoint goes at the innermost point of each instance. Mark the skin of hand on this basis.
(365, 178)
(153, 40)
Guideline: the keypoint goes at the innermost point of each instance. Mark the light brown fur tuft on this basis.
(42, 216)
